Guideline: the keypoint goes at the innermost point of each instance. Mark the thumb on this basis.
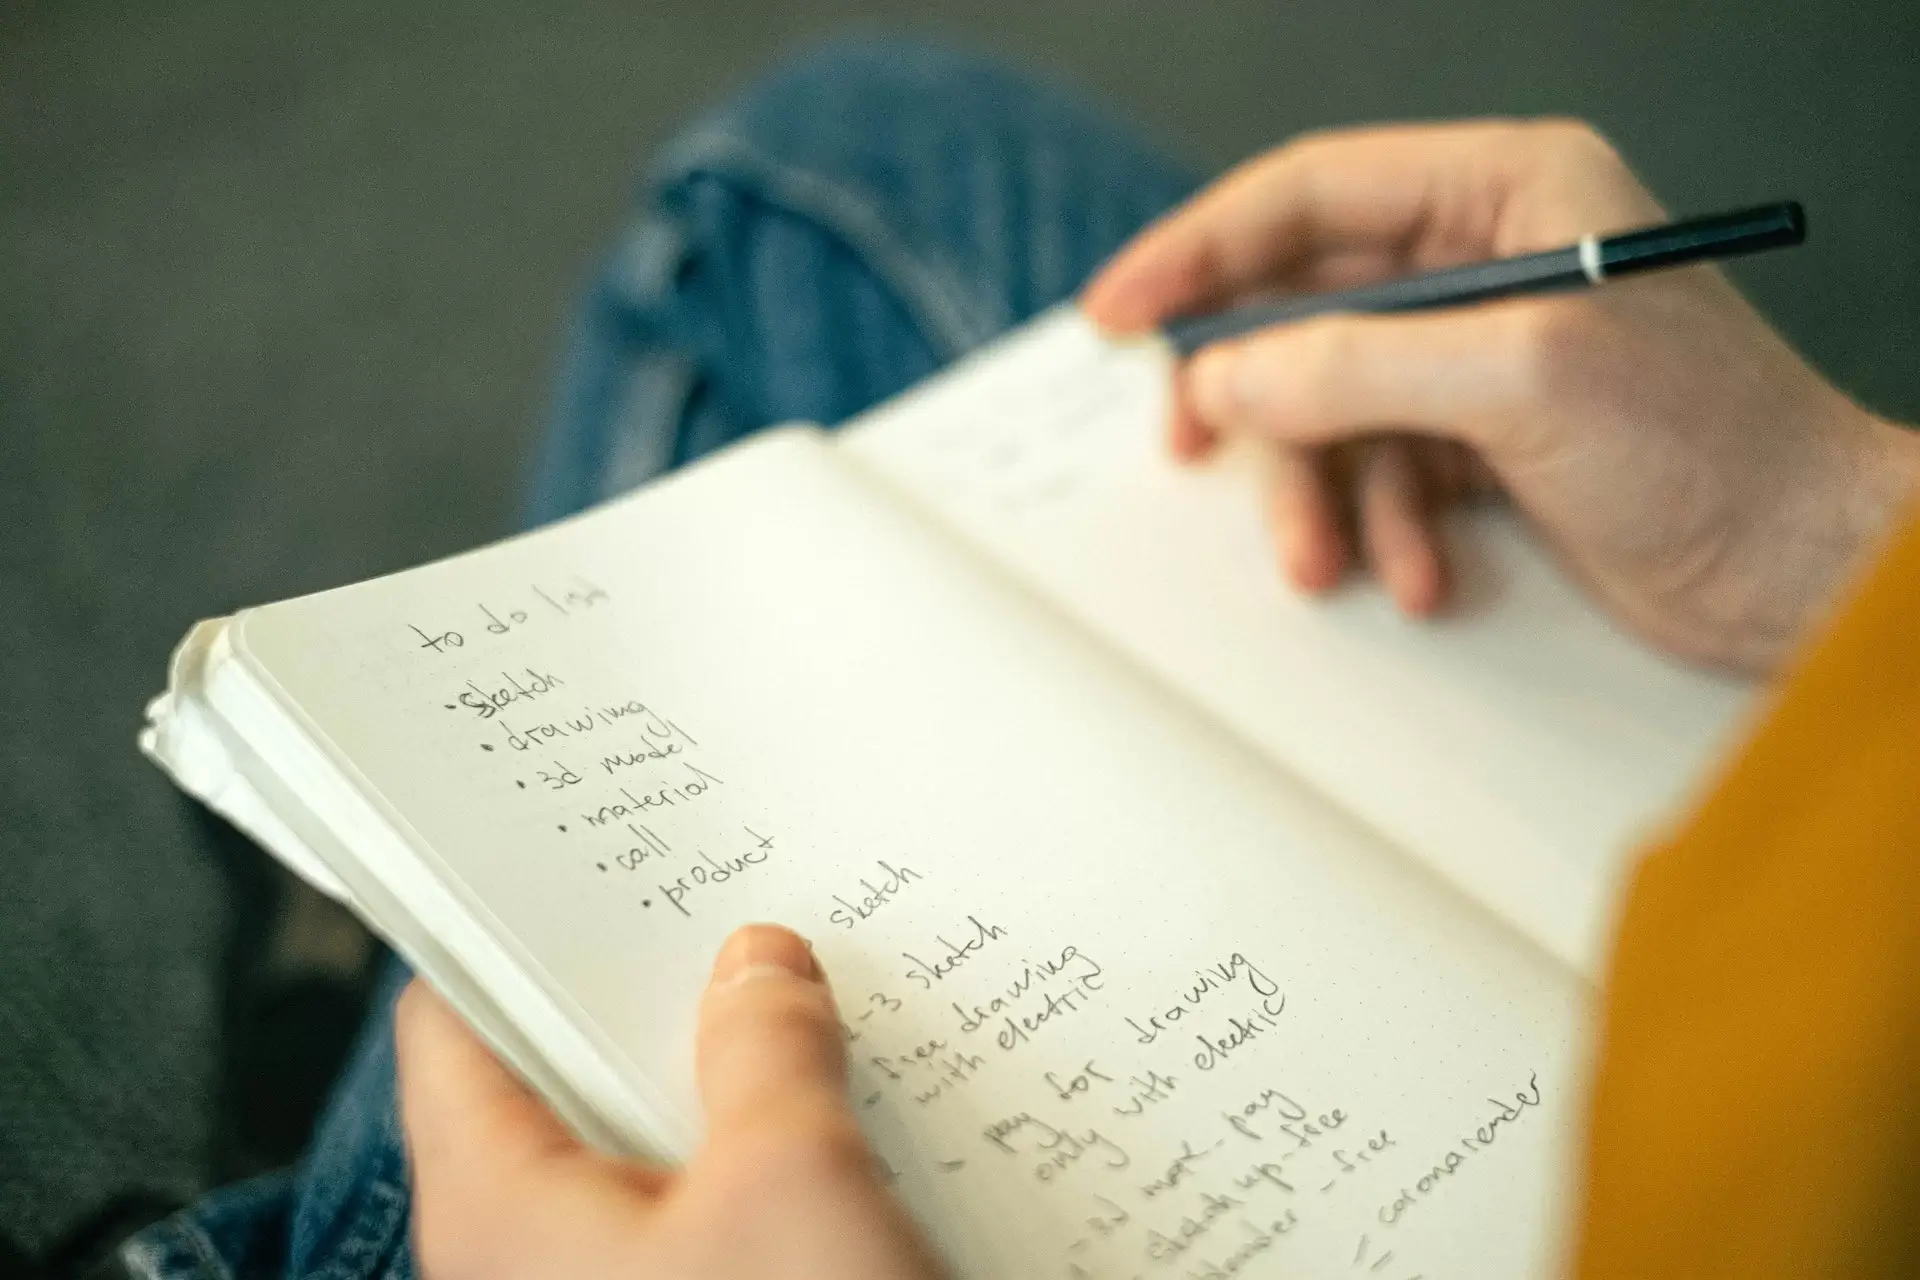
(1453, 374)
(770, 1055)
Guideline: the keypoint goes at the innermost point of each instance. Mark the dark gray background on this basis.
(280, 290)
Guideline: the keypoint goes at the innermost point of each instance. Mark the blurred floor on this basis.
(280, 290)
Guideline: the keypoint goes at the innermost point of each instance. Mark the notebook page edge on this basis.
(432, 931)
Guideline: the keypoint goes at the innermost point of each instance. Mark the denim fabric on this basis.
(849, 225)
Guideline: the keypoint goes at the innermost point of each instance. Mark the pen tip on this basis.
(1796, 220)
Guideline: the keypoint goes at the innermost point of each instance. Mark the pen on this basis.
(1592, 260)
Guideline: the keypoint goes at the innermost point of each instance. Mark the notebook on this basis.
(1180, 925)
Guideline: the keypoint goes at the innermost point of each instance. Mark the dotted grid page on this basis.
(1120, 1000)
(1522, 746)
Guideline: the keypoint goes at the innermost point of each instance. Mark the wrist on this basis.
(1899, 450)
(1840, 528)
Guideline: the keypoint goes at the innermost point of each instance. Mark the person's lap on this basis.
(846, 227)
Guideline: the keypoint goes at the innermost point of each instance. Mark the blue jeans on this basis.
(845, 228)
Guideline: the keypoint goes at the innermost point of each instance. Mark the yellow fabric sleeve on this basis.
(1757, 1103)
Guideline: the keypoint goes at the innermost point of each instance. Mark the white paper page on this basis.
(1522, 746)
(1118, 997)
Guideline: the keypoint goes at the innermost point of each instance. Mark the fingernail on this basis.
(760, 949)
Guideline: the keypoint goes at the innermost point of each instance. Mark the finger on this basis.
(1457, 375)
(1187, 436)
(1449, 470)
(770, 1057)
(470, 1123)
(1331, 272)
(1397, 526)
(1304, 511)
(1442, 465)
(1453, 473)
(1354, 190)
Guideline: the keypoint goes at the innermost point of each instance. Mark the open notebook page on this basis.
(1521, 746)
(1119, 997)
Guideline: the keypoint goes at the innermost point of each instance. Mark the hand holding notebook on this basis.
(784, 1184)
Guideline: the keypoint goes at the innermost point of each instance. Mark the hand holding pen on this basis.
(1685, 463)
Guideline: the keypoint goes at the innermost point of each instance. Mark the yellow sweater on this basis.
(1757, 1111)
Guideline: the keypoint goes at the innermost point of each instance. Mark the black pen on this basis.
(1593, 260)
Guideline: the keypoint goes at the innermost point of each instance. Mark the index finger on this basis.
(469, 1120)
(1382, 189)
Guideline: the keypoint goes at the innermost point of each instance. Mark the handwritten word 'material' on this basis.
(692, 785)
